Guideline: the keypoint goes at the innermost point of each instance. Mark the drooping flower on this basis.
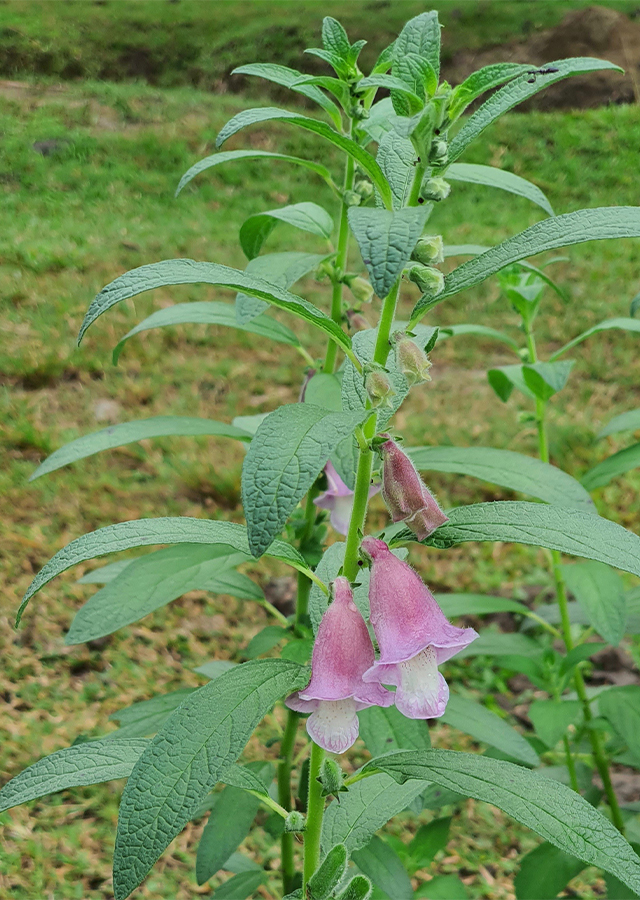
(408, 498)
(338, 499)
(413, 634)
(341, 654)
(411, 359)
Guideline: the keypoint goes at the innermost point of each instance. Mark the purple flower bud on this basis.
(413, 634)
(411, 359)
(338, 499)
(357, 321)
(342, 653)
(407, 497)
(379, 389)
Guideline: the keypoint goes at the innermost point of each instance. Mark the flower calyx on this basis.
(429, 250)
(295, 823)
(429, 280)
(411, 359)
(378, 386)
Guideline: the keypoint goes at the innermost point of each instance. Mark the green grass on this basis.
(104, 203)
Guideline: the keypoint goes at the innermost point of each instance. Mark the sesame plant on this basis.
(361, 654)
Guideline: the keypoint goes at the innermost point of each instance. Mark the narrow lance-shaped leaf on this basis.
(550, 809)
(290, 78)
(490, 176)
(623, 324)
(396, 157)
(600, 592)
(480, 723)
(283, 269)
(386, 729)
(128, 432)
(446, 331)
(242, 885)
(482, 80)
(612, 467)
(383, 866)
(626, 421)
(621, 706)
(146, 717)
(305, 216)
(202, 738)
(146, 532)
(556, 527)
(477, 605)
(421, 36)
(544, 872)
(228, 824)
(267, 114)
(189, 271)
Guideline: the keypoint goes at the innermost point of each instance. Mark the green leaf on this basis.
(283, 269)
(419, 76)
(626, 421)
(477, 83)
(623, 324)
(443, 887)
(396, 157)
(209, 312)
(265, 640)
(270, 113)
(146, 532)
(386, 240)
(600, 592)
(284, 458)
(304, 216)
(88, 763)
(104, 574)
(545, 379)
(188, 271)
(384, 867)
(559, 231)
(504, 378)
(421, 36)
(390, 83)
(483, 725)
(616, 890)
(544, 872)
(492, 643)
(147, 716)
(290, 78)
(621, 706)
(228, 825)
(366, 807)
(490, 176)
(508, 469)
(429, 840)
(156, 579)
(551, 718)
(519, 89)
(329, 874)
(334, 37)
(335, 86)
(477, 605)
(241, 886)
(482, 330)
(215, 668)
(187, 757)
(128, 432)
(555, 812)
(612, 467)
(386, 729)
(234, 155)
(560, 528)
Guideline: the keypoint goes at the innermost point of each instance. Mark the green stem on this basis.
(315, 812)
(284, 798)
(571, 766)
(414, 195)
(341, 265)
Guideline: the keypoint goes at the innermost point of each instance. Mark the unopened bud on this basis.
(295, 822)
(331, 778)
(439, 153)
(357, 321)
(429, 280)
(326, 269)
(329, 873)
(429, 250)
(435, 189)
(379, 389)
(407, 497)
(360, 288)
(411, 359)
(364, 188)
(359, 113)
(359, 888)
(526, 418)
(352, 198)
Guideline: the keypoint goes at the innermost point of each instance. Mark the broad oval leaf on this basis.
(146, 532)
(189, 271)
(272, 113)
(560, 528)
(290, 78)
(386, 240)
(508, 469)
(626, 421)
(612, 467)
(600, 592)
(545, 379)
(202, 738)
(519, 89)
(490, 176)
(420, 36)
(233, 155)
(503, 379)
(285, 457)
(551, 718)
(305, 216)
(482, 724)
(128, 432)
(82, 764)
(555, 812)
(210, 312)
(624, 323)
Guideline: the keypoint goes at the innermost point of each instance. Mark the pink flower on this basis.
(407, 497)
(342, 653)
(413, 634)
(338, 499)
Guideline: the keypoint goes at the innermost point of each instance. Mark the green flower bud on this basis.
(351, 198)
(411, 359)
(429, 280)
(435, 189)
(526, 418)
(439, 152)
(360, 288)
(429, 250)
(359, 113)
(295, 822)
(379, 389)
(331, 778)
(329, 874)
(364, 188)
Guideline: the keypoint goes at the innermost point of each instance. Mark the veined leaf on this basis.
(508, 469)
(147, 716)
(128, 432)
(490, 176)
(283, 269)
(421, 36)
(623, 323)
(233, 155)
(519, 89)
(202, 738)
(396, 157)
(270, 113)
(146, 532)
(188, 271)
(626, 421)
(555, 812)
(82, 764)
(386, 729)
(544, 872)
(560, 528)
(446, 331)
(600, 592)
(290, 78)
(335, 86)
(288, 451)
(558, 231)
(612, 467)
(304, 216)
(484, 79)
(551, 718)
(215, 668)
(483, 725)
(383, 866)
(155, 580)
(386, 240)
(389, 83)
(228, 825)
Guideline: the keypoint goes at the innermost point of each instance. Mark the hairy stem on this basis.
(315, 812)
(284, 798)
(341, 264)
(414, 195)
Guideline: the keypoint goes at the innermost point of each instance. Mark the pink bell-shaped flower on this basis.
(338, 499)
(413, 634)
(342, 653)
(407, 497)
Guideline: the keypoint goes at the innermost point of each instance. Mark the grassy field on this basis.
(102, 202)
